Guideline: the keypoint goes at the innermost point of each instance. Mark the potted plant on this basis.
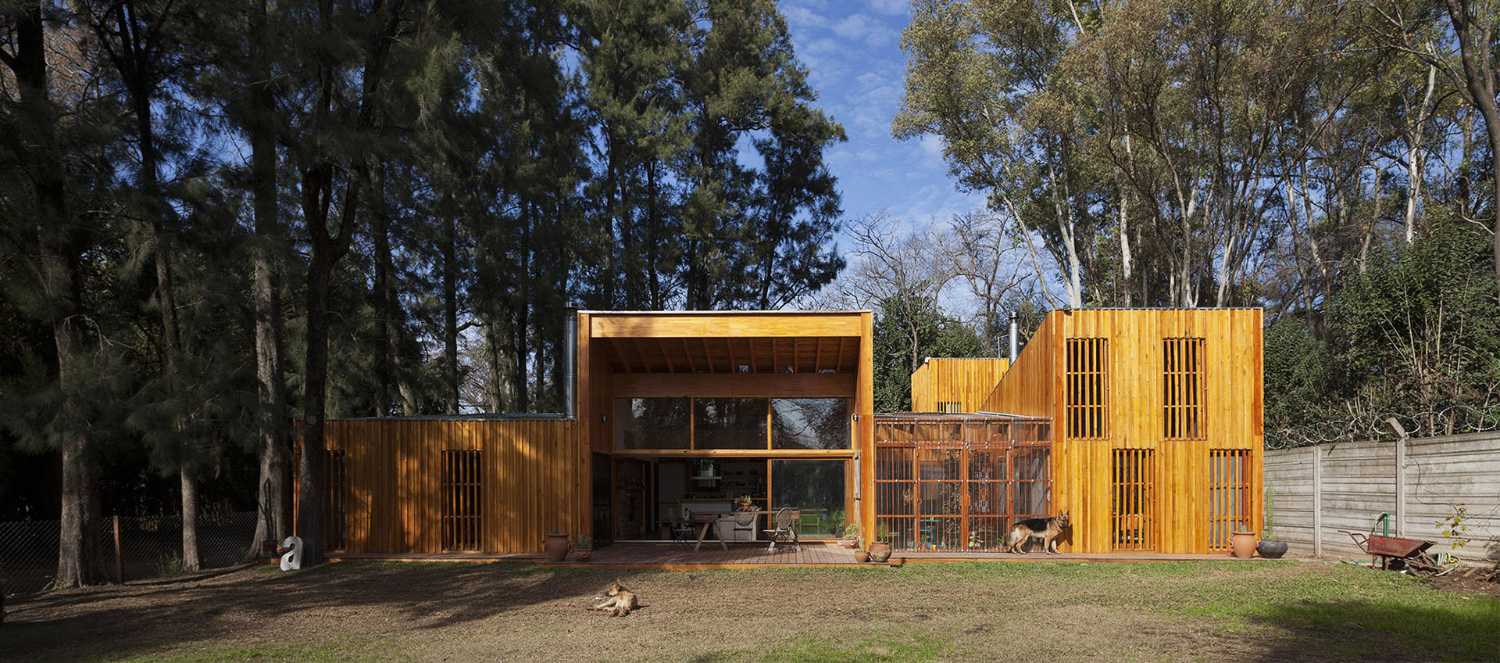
(1269, 547)
(584, 551)
(880, 551)
(861, 556)
(1242, 544)
(850, 539)
(557, 546)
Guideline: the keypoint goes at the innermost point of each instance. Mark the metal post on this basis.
(1014, 336)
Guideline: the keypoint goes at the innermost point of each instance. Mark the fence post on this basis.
(1317, 495)
(1401, 486)
(119, 564)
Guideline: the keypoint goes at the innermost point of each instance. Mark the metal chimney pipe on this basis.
(1014, 336)
(570, 361)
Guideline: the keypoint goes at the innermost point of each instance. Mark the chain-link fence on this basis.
(148, 547)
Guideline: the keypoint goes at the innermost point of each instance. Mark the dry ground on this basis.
(1034, 612)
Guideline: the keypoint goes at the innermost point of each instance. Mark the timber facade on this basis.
(1144, 425)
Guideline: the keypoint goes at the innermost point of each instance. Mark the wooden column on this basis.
(1317, 499)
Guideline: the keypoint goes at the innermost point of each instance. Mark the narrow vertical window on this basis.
(461, 496)
(1228, 495)
(336, 490)
(1182, 388)
(1087, 375)
(1133, 500)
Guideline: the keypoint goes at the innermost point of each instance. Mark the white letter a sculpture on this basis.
(292, 560)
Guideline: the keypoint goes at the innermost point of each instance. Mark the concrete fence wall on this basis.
(1312, 493)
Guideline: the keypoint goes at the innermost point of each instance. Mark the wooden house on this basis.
(1144, 425)
(955, 384)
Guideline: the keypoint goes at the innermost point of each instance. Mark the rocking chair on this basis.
(784, 527)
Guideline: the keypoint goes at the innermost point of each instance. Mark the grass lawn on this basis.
(1009, 611)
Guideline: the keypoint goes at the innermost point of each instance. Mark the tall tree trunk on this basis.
(60, 279)
(274, 513)
(1474, 33)
(521, 322)
(383, 295)
(450, 314)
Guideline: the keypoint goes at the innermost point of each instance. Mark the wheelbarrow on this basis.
(1398, 552)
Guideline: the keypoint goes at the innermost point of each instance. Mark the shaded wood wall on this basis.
(531, 476)
(1177, 511)
(966, 381)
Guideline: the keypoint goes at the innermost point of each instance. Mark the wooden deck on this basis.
(739, 554)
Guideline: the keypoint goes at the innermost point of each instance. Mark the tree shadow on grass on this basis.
(120, 621)
(1364, 630)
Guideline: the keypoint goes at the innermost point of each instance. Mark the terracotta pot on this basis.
(557, 547)
(1243, 544)
(1271, 549)
(861, 556)
(880, 552)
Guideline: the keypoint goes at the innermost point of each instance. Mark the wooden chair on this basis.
(784, 527)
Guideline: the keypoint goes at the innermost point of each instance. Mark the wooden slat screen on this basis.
(1087, 392)
(1228, 495)
(1133, 500)
(958, 483)
(1182, 388)
(461, 499)
(335, 500)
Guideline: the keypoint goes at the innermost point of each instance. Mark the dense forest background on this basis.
(220, 216)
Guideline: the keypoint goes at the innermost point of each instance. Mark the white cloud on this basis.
(863, 28)
(802, 17)
(932, 146)
(893, 7)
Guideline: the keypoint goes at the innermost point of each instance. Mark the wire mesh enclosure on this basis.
(1133, 500)
(462, 485)
(958, 482)
(1228, 495)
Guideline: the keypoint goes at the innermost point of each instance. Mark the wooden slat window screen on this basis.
(1228, 495)
(335, 500)
(1133, 500)
(1087, 375)
(1182, 388)
(949, 407)
(462, 495)
(958, 485)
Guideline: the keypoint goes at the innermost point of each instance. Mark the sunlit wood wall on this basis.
(964, 381)
(1178, 513)
(531, 470)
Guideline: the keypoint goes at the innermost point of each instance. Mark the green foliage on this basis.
(908, 329)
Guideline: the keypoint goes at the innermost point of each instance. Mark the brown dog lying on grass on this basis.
(619, 601)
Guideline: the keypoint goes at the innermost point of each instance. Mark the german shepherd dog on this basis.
(620, 600)
(1046, 529)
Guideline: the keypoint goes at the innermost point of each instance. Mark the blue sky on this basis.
(852, 50)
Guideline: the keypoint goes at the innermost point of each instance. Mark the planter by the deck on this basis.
(1271, 549)
(557, 547)
(1243, 544)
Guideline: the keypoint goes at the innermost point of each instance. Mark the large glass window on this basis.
(810, 423)
(652, 423)
(730, 423)
(816, 487)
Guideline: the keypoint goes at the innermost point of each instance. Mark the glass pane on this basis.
(651, 423)
(816, 487)
(730, 423)
(810, 423)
